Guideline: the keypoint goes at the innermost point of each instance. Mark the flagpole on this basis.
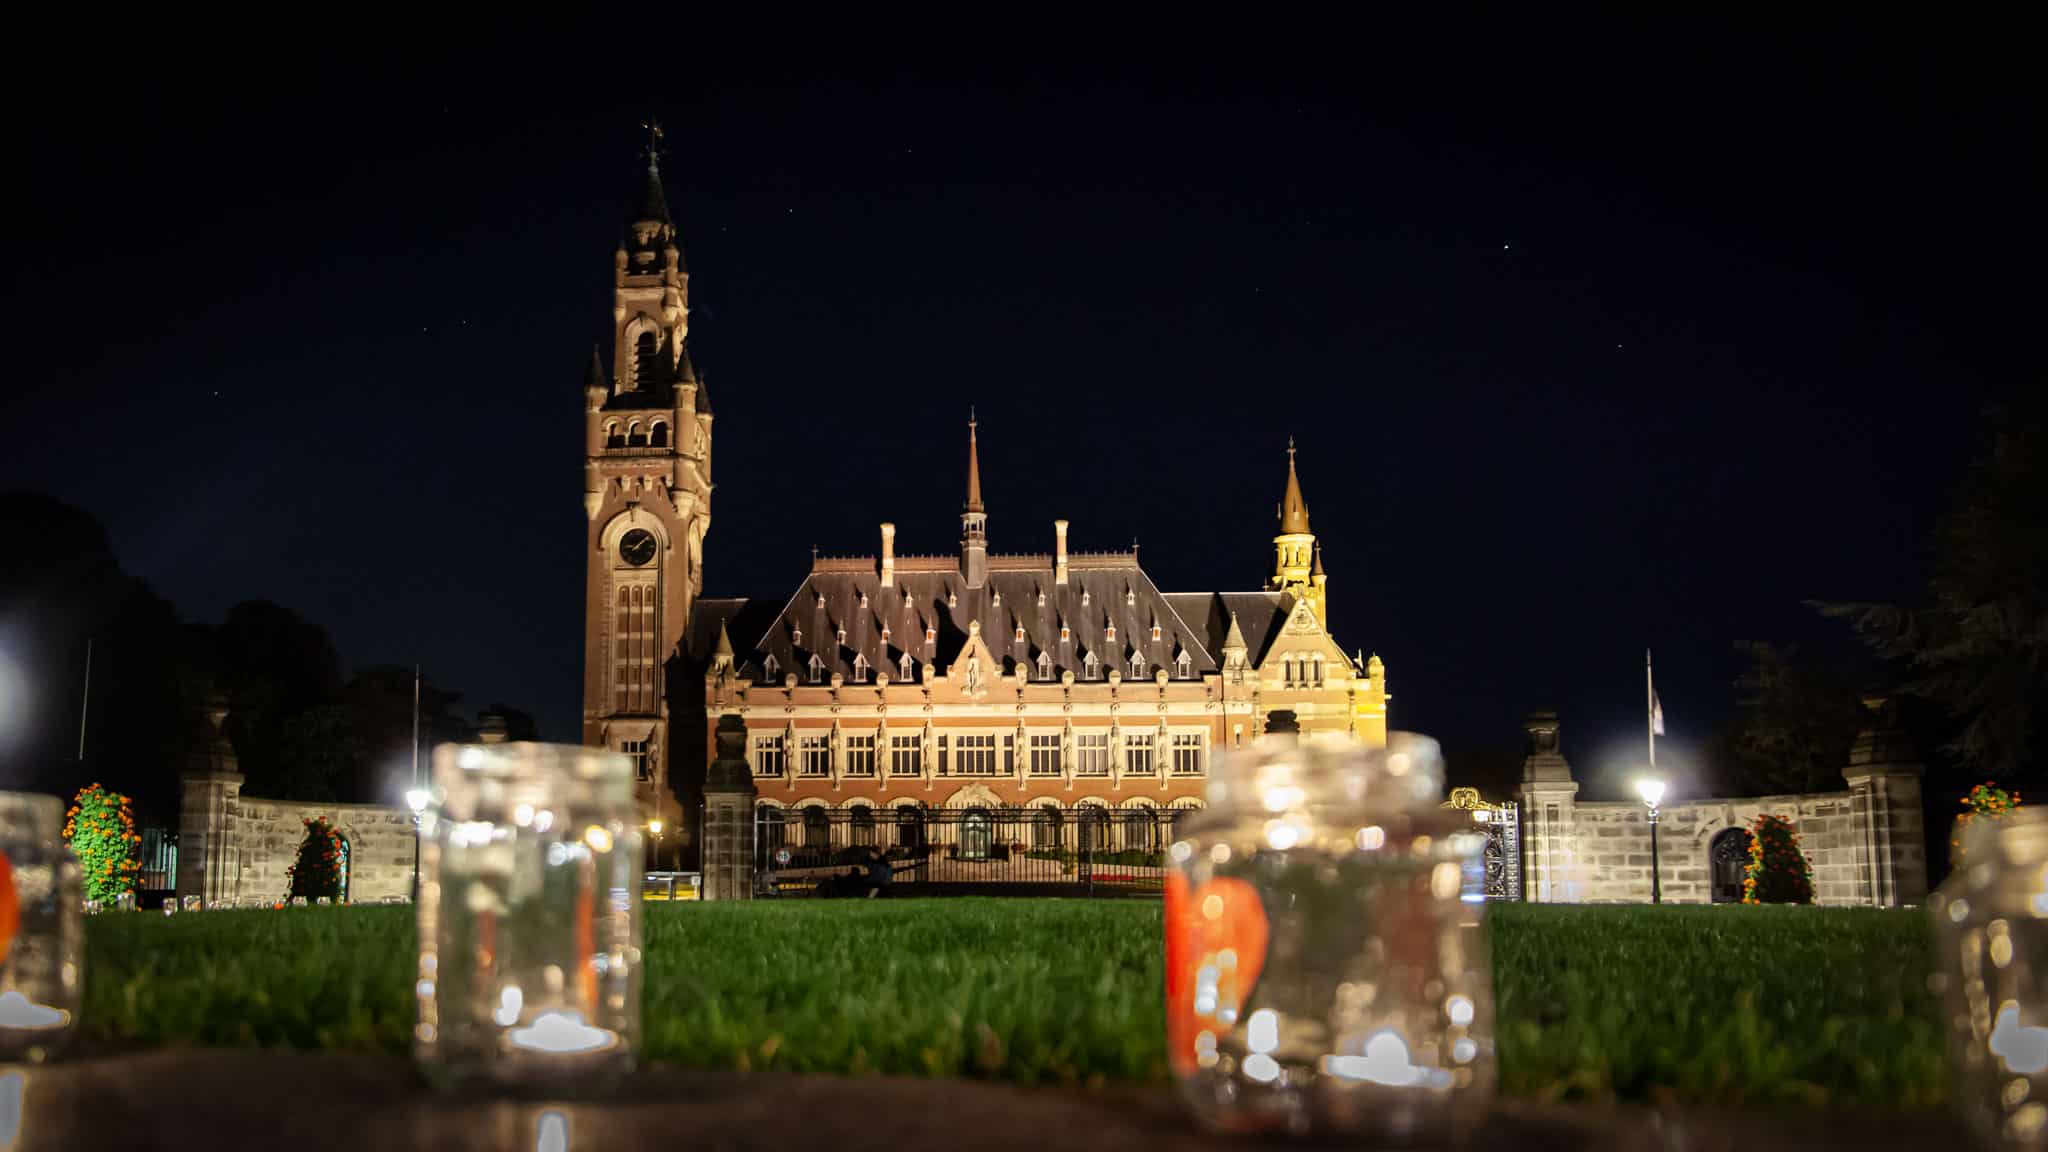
(85, 699)
(415, 726)
(1650, 708)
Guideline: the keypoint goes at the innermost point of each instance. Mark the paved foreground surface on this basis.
(306, 1102)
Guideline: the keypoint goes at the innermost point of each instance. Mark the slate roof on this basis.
(848, 594)
(1259, 615)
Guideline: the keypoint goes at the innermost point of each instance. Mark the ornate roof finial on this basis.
(653, 149)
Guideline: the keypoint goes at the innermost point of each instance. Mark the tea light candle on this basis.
(42, 929)
(20, 1012)
(528, 907)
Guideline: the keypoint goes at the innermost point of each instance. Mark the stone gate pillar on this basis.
(209, 861)
(1890, 840)
(1549, 797)
(729, 794)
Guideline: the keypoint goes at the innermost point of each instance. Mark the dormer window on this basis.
(796, 635)
(1130, 593)
(1041, 597)
(1084, 597)
(1109, 630)
(996, 599)
(1155, 629)
(1044, 666)
(1066, 633)
(931, 634)
(909, 598)
(768, 667)
(953, 598)
(817, 669)
(863, 598)
(886, 633)
(1137, 666)
(842, 634)
(860, 668)
(1183, 665)
(903, 665)
(1020, 632)
(1090, 666)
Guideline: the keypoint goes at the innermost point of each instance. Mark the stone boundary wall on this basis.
(1608, 860)
(234, 847)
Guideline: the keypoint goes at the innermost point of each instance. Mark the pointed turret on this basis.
(974, 519)
(1293, 510)
(653, 199)
(1233, 643)
(721, 656)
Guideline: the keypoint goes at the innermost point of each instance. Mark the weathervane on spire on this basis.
(653, 150)
(1290, 446)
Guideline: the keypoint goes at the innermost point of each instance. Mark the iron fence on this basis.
(1085, 850)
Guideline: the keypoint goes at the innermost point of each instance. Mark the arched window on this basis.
(863, 827)
(613, 438)
(657, 436)
(1045, 828)
(769, 829)
(644, 361)
(910, 827)
(346, 874)
(975, 834)
(1728, 861)
(1088, 828)
(1140, 828)
(817, 832)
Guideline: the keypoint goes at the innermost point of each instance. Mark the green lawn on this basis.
(1701, 1004)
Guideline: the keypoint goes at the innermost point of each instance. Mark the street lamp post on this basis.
(416, 799)
(1651, 790)
(655, 827)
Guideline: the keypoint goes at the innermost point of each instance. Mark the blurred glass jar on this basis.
(1326, 950)
(529, 916)
(1991, 919)
(42, 929)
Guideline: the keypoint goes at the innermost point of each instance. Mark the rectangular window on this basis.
(1045, 753)
(904, 754)
(816, 755)
(1138, 754)
(1187, 754)
(636, 751)
(860, 756)
(974, 755)
(1091, 754)
(768, 755)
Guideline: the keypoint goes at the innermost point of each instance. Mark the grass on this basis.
(1722, 1005)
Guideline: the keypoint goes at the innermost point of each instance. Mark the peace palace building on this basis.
(966, 680)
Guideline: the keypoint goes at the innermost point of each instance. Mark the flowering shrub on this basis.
(1985, 801)
(1778, 872)
(317, 871)
(100, 827)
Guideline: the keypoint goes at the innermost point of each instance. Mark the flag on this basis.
(1656, 713)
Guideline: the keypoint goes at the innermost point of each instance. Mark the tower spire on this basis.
(973, 466)
(1293, 511)
(974, 517)
(654, 205)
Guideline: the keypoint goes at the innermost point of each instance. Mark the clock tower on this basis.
(647, 498)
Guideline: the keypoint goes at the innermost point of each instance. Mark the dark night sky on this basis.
(1592, 339)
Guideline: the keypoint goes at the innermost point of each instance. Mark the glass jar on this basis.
(1991, 919)
(1326, 953)
(529, 916)
(42, 929)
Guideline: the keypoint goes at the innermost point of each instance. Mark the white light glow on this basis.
(562, 1032)
(471, 758)
(1262, 1031)
(1464, 1050)
(18, 1011)
(1285, 833)
(416, 799)
(1651, 790)
(598, 839)
(510, 1001)
(1386, 1062)
(1372, 838)
(1459, 1009)
(1283, 797)
(551, 1132)
(1262, 1068)
(2023, 1047)
(523, 815)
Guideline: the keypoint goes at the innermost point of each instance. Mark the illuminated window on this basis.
(816, 755)
(931, 634)
(1045, 754)
(1044, 665)
(974, 755)
(636, 751)
(905, 755)
(1109, 631)
(1155, 629)
(904, 664)
(769, 756)
(1091, 754)
(860, 755)
(1019, 635)
(1138, 754)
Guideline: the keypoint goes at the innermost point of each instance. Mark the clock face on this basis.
(638, 547)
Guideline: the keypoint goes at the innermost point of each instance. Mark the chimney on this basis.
(1059, 555)
(888, 555)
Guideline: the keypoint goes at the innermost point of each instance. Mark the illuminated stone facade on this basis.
(972, 679)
